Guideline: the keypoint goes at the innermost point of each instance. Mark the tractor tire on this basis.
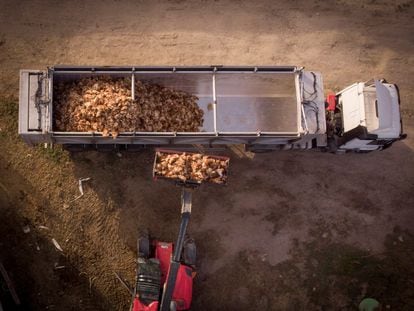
(143, 245)
(190, 253)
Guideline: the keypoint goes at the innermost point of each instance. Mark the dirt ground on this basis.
(291, 231)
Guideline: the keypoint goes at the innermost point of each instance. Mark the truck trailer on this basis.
(263, 107)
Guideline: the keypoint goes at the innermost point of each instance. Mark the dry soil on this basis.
(291, 230)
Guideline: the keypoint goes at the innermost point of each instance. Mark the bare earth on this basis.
(291, 231)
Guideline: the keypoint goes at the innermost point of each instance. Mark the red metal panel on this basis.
(163, 252)
(331, 100)
(139, 306)
(183, 291)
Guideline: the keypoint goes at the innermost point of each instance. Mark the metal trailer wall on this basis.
(258, 106)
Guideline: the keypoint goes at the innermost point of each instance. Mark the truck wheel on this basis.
(332, 145)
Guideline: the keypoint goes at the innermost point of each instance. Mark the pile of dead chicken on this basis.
(191, 167)
(105, 105)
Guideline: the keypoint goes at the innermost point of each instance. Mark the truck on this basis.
(264, 108)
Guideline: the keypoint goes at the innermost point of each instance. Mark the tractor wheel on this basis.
(143, 244)
(190, 252)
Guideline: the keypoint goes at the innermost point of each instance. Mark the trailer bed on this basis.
(254, 105)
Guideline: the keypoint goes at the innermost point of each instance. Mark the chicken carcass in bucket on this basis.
(190, 167)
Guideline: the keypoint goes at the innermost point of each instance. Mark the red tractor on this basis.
(165, 270)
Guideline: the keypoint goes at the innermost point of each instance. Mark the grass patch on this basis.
(340, 275)
(56, 153)
(9, 119)
(9, 112)
(9, 109)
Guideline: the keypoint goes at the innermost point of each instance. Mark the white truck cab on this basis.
(370, 115)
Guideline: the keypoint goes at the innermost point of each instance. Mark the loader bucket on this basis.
(192, 169)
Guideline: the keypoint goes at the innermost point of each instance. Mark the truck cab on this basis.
(366, 116)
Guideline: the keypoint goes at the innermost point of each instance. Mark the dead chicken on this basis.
(105, 105)
(194, 167)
